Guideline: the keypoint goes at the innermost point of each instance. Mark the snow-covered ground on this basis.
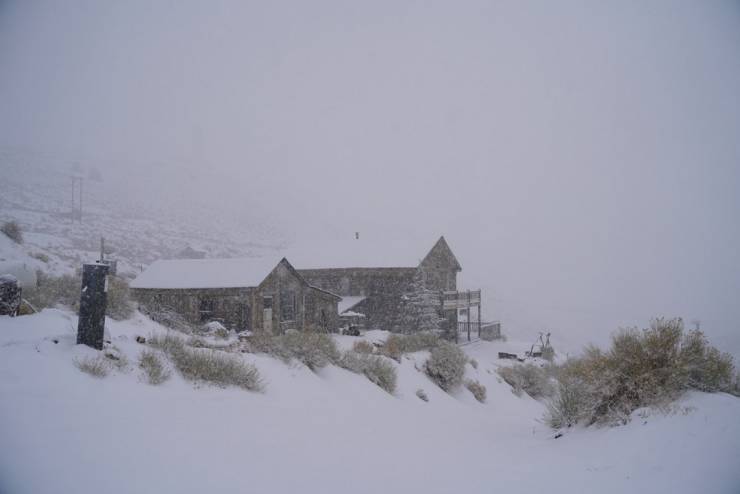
(332, 431)
(147, 221)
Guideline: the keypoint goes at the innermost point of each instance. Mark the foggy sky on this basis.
(582, 159)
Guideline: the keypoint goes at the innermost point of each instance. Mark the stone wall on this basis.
(244, 308)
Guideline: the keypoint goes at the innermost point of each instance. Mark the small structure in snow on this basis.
(241, 294)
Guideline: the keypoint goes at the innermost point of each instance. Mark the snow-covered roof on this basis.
(348, 302)
(206, 273)
(367, 251)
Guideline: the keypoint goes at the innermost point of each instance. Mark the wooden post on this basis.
(468, 315)
(480, 301)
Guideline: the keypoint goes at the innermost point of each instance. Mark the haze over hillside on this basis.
(582, 160)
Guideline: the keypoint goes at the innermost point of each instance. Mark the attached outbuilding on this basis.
(243, 294)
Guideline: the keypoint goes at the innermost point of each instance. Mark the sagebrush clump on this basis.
(446, 365)
(213, 366)
(642, 368)
(363, 346)
(397, 344)
(95, 366)
(527, 378)
(315, 350)
(376, 368)
(65, 290)
(155, 370)
(478, 390)
(13, 231)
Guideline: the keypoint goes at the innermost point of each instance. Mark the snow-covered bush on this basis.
(381, 372)
(55, 290)
(95, 366)
(478, 390)
(529, 378)
(363, 346)
(65, 290)
(168, 343)
(13, 231)
(315, 350)
(446, 365)
(651, 367)
(570, 404)
(421, 394)
(212, 366)
(473, 363)
(119, 305)
(155, 370)
(376, 368)
(217, 367)
(397, 344)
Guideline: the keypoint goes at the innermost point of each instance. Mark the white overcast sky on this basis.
(582, 158)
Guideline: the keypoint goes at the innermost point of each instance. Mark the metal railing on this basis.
(479, 329)
(460, 300)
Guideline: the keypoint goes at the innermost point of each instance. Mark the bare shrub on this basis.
(119, 305)
(446, 365)
(13, 231)
(41, 257)
(376, 368)
(381, 372)
(210, 366)
(315, 350)
(95, 366)
(397, 344)
(478, 390)
(363, 346)
(422, 395)
(168, 343)
(651, 367)
(570, 405)
(55, 290)
(529, 378)
(217, 368)
(155, 370)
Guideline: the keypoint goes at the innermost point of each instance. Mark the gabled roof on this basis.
(206, 273)
(441, 247)
(368, 251)
(349, 302)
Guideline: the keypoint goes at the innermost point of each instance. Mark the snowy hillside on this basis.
(145, 222)
(327, 432)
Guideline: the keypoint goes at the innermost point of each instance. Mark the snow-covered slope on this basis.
(325, 432)
(142, 216)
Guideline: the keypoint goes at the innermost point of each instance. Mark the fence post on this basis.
(480, 300)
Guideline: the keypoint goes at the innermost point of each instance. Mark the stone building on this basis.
(243, 294)
(378, 292)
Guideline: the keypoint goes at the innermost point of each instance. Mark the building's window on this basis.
(206, 309)
(267, 302)
(287, 305)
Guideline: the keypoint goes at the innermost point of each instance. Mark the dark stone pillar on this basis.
(93, 300)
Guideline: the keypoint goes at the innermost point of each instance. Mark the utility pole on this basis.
(76, 201)
(80, 199)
